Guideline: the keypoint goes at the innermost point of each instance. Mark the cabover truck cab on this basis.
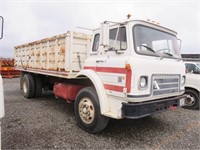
(129, 69)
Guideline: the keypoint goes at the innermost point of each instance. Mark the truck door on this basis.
(110, 64)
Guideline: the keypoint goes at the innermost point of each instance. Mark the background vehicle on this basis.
(131, 69)
(192, 86)
(7, 68)
(1, 84)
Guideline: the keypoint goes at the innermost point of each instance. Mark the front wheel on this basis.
(87, 111)
(192, 100)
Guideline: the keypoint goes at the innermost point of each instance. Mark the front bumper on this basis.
(140, 110)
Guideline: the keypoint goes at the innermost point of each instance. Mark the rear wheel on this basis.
(87, 111)
(192, 100)
(21, 80)
(38, 86)
(28, 86)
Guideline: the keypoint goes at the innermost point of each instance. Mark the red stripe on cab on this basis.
(114, 70)
(107, 69)
(113, 87)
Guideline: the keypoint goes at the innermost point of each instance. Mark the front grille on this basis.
(165, 84)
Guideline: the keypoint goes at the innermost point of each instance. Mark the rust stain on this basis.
(62, 49)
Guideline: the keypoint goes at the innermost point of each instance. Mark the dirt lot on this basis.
(48, 123)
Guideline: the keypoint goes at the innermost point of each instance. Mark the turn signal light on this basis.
(128, 67)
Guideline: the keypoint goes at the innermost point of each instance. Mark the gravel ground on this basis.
(49, 123)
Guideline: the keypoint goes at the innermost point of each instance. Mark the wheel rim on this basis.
(190, 100)
(86, 110)
(25, 88)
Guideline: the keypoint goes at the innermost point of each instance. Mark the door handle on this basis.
(98, 61)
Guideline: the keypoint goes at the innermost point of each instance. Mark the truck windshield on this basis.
(149, 41)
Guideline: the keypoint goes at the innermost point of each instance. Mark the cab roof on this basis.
(139, 21)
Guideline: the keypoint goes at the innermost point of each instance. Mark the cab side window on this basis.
(96, 43)
(121, 42)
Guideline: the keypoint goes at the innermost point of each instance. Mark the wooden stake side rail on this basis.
(62, 54)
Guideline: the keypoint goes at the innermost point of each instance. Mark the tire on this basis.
(192, 99)
(28, 86)
(38, 87)
(87, 111)
(21, 80)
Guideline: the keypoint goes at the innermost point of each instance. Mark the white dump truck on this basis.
(2, 112)
(129, 69)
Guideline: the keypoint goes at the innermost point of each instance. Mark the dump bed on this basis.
(62, 55)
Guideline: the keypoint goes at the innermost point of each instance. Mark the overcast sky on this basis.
(26, 21)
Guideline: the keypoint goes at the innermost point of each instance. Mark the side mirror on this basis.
(1, 27)
(104, 34)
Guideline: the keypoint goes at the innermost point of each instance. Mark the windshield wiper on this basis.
(169, 54)
(149, 48)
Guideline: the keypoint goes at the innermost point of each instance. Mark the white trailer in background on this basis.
(129, 69)
(2, 112)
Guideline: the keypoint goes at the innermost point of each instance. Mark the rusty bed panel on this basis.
(66, 53)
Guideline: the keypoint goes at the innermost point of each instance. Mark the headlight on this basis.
(182, 80)
(143, 82)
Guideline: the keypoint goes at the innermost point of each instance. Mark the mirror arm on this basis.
(180, 44)
(2, 27)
